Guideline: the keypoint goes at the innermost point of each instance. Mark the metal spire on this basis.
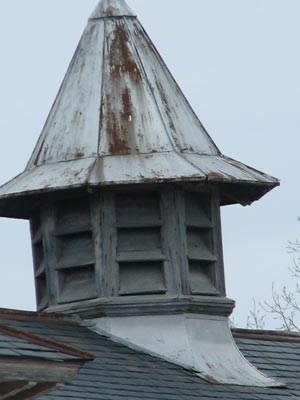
(120, 118)
(112, 8)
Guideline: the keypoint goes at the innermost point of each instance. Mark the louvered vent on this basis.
(128, 244)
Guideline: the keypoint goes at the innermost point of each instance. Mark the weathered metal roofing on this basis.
(112, 8)
(120, 118)
(201, 343)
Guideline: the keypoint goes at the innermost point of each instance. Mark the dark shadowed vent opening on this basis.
(39, 262)
(202, 249)
(75, 260)
(64, 253)
(140, 254)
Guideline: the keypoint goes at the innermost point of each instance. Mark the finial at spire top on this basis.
(112, 8)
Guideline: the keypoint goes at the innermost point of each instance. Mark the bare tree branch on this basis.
(284, 308)
(285, 304)
(256, 320)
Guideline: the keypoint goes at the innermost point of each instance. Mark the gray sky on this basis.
(238, 63)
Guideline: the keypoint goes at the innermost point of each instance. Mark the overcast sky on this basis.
(237, 62)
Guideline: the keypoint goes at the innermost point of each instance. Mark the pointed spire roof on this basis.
(120, 118)
(112, 8)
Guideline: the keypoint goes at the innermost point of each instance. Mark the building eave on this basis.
(237, 182)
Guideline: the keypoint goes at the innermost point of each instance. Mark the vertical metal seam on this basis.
(180, 206)
(135, 48)
(173, 144)
(165, 66)
(101, 89)
(42, 137)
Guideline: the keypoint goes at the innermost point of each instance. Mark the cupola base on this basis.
(202, 343)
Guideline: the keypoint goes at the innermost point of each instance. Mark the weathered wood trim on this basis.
(136, 256)
(148, 305)
(109, 245)
(181, 244)
(100, 278)
(17, 390)
(10, 388)
(33, 243)
(48, 220)
(12, 368)
(218, 247)
(169, 237)
(30, 391)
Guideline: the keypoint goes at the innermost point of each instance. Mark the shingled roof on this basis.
(119, 372)
(31, 365)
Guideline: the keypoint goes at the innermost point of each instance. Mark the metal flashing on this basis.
(200, 343)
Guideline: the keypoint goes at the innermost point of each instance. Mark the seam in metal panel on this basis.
(164, 66)
(175, 147)
(101, 89)
(135, 48)
(42, 136)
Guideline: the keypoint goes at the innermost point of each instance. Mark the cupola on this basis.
(124, 188)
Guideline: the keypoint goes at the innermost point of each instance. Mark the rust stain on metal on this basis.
(121, 60)
(155, 179)
(187, 149)
(210, 378)
(118, 145)
(128, 111)
(79, 154)
(215, 175)
(166, 103)
(119, 123)
(110, 11)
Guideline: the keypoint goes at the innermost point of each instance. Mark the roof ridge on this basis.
(268, 335)
(8, 314)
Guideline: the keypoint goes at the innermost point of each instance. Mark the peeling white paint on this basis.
(131, 169)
